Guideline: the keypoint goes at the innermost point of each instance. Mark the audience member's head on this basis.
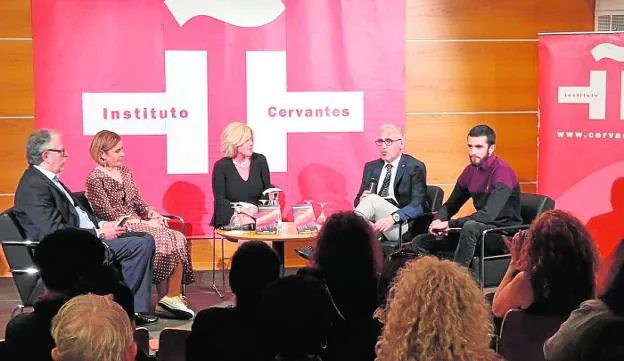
(347, 236)
(105, 280)
(298, 312)
(64, 256)
(601, 341)
(613, 295)
(233, 136)
(435, 311)
(254, 266)
(560, 257)
(396, 261)
(95, 328)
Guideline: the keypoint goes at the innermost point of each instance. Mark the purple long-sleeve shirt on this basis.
(495, 192)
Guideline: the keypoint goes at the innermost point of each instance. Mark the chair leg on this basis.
(482, 263)
(223, 264)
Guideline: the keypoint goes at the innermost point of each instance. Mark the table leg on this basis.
(214, 265)
(279, 248)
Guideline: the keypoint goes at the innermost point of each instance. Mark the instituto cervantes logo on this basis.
(595, 95)
(181, 111)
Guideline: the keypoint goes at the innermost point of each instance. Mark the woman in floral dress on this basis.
(112, 193)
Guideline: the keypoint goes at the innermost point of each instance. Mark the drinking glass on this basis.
(321, 218)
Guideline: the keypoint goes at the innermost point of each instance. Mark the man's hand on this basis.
(438, 227)
(364, 195)
(109, 233)
(383, 224)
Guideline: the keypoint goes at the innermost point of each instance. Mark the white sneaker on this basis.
(176, 306)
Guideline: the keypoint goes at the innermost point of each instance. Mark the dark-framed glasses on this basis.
(388, 142)
(62, 152)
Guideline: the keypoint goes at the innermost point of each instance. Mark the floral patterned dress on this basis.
(111, 200)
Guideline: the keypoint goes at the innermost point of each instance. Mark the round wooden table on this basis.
(286, 233)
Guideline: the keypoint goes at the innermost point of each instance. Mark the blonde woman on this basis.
(112, 193)
(435, 312)
(240, 176)
(91, 327)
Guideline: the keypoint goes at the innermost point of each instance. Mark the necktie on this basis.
(84, 221)
(58, 184)
(386, 182)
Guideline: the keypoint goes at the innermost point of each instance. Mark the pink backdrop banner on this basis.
(313, 78)
(581, 134)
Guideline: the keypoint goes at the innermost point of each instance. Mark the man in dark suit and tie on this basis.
(43, 205)
(393, 187)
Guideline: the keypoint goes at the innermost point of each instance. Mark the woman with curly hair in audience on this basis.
(435, 311)
(347, 258)
(610, 305)
(552, 267)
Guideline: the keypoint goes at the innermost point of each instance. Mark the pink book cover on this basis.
(305, 221)
(267, 219)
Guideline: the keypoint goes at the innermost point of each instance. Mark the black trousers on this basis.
(134, 252)
(463, 243)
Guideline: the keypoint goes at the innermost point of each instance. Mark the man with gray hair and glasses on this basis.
(43, 205)
(393, 187)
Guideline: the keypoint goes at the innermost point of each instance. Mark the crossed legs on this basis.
(373, 207)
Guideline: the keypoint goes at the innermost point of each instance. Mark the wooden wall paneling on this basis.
(6, 201)
(528, 187)
(15, 21)
(202, 254)
(464, 77)
(16, 78)
(482, 19)
(440, 142)
(15, 134)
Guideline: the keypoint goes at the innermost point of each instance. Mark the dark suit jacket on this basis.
(41, 208)
(410, 185)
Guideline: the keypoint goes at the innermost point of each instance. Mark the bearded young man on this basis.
(495, 191)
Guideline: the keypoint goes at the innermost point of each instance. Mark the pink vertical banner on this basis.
(313, 78)
(581, 130)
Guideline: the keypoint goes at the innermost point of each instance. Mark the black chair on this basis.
(493, 257)
(19, 251)
(523, 334)
(141, 337)
(433, 201)
(172, 344)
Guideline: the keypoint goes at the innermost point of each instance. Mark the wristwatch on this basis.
(396, 217)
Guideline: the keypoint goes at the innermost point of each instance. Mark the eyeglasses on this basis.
(62, 152)
(388, 142)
